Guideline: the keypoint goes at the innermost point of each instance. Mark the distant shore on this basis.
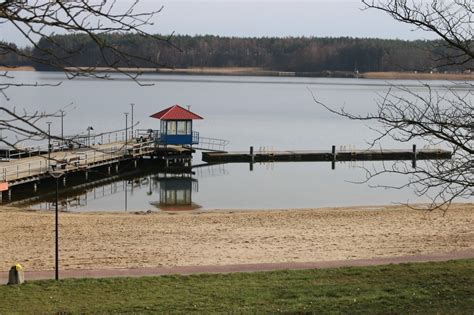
(21, 68)
(249, 71)
(128, 240)
(418, 76)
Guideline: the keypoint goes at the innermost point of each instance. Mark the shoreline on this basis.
(249, 71)
(119, 240)
(20, 68)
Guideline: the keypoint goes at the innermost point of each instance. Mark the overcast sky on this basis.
(319, 18)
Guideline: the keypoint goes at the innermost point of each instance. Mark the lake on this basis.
(268, 113)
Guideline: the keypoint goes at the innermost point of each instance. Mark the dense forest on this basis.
(298, 54)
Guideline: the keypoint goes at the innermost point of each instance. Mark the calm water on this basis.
(271, 113)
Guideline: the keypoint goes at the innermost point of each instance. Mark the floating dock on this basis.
(324, 156)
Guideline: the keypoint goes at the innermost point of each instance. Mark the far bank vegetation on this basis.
(305, 56)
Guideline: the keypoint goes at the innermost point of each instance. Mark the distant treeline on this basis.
(7, 58)
(298, 54)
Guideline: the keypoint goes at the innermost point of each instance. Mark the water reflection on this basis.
(148, 185)
(176, 192)
(227, 186)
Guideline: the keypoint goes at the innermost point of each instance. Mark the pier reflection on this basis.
(146, 187)
(176, 192)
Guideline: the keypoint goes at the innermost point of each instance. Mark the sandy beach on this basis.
(118, 240)
(418, 76)
(19, 68)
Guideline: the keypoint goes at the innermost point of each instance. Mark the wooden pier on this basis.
(30, 169)
(324, 156)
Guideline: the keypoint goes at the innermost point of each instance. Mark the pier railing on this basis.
(96, 139)
(211, 144)
(69, 143)
(24, 169)
(198, 142)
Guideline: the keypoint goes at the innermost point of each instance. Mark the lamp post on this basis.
(56, 224)
(126, 195)
(56, 175)
(133, 105)
(49, 143)
(62, 124)
(89, 135)
(126, 127)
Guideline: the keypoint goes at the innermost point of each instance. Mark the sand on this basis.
(118, 240)
(15, 68)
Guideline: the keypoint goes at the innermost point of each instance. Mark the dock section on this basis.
(324, 156)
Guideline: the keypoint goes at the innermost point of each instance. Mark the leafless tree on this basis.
(434, 116)
(451, 20)
(40, 20)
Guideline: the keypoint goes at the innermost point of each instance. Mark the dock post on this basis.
(135, 163)
(6, 195)
(116, 168)
(413, 162)
(35, 187)
(87, 175)
(333, 162)
(252, 158)
(64, 181)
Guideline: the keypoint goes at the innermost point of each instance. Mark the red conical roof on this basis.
(175, 112)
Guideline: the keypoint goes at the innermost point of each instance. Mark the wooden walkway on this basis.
(320, 156)
(29, 169)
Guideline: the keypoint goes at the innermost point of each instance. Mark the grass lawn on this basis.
(429, 288)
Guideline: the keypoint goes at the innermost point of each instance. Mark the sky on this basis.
(258, 18)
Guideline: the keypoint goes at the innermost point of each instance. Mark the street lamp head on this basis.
(90, 128)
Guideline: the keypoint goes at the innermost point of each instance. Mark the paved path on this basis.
(187, 270)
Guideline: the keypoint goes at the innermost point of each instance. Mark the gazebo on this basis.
(176, 126)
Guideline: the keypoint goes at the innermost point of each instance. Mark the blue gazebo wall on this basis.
(176, 139)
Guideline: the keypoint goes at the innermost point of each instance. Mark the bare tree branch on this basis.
(38, 21)
(433, 116)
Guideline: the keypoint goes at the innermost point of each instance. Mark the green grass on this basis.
(427, 288)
